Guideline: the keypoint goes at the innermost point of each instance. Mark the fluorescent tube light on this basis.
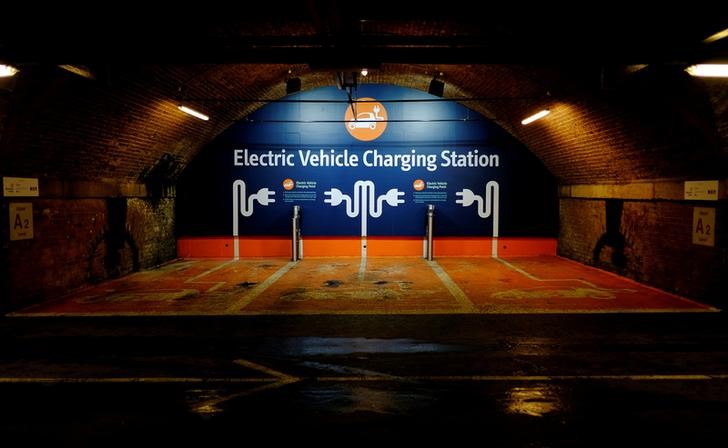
(193, 112)
(708, 70)
(715, 37)
(79, 70)
(535, 116)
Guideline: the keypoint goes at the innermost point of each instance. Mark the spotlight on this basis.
(437, 87)
(346, 80)
(293, 85)
(364, 71)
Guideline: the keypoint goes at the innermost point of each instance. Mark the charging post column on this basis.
(428, 231)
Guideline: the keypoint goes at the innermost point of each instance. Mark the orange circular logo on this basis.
(418, 185)
(288, 184)
(367, 120)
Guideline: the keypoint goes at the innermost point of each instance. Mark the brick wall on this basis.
(658, 248)
(81, 241)
(151, 225)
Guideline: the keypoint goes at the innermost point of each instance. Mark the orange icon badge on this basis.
(367, 121)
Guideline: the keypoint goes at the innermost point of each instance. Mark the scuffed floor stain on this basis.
(141, 296)
(552, 293)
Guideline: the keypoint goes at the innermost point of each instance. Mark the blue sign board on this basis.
(367, 168)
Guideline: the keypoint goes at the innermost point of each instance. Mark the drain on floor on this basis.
(332, 283)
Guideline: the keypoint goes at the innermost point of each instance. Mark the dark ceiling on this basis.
(325, 33)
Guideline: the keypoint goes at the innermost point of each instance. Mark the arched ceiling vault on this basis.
(611, 120)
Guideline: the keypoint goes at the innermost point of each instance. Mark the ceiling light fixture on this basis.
(708, 70)
(536, 116)
(79, 70)
(193, 112)
(717, 36)
(6, 71)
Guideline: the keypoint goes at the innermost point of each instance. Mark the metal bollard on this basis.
(296, 233)
(430, 216)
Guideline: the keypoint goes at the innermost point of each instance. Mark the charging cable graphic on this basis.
(467, 198)
(244, 206)
(364, 204)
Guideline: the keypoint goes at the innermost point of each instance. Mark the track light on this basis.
(293, 85)
(6, 71)
(193, 112)
(536, 116)
(436, 88)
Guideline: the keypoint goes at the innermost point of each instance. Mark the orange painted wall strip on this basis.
(394, 247)
(222, 246)
(335, 246)
(481, 247)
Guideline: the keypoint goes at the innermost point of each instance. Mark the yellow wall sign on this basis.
(20, 186)
(701, 190)
(704, 226)
(21, 221)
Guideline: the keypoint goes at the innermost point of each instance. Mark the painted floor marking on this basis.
(362, 269)
(255, 292)
(460, 296)
(703, 308)
(207, 272)
(279, 379)
(533, 311)
(285, 379)
(538, 279)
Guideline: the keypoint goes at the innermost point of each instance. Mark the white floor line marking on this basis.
(209, 271)
(460, 296)
(283, 379)
(255, 292)
(143, 379)
(362, 269)
(539, 378)
(280, 376)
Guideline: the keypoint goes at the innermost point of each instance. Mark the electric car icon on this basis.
(363, 120)
(366, 119)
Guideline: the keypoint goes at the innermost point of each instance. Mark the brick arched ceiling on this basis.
(611, 121)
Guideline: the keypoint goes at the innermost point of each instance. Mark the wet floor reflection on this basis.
(348, 399)
(536, 401)
(312, 346)
(205, 402)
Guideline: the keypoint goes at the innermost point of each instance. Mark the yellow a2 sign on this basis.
(21, 221)
(704, 226)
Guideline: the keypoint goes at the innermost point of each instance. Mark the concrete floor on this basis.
(386, 286)
(519, 380)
